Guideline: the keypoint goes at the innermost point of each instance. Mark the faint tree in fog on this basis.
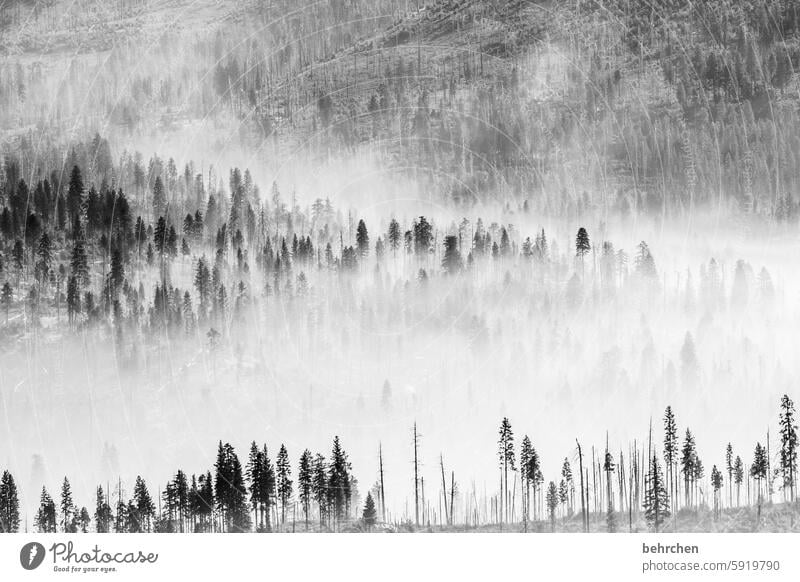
(551, 500)
(451, 262)
(394, 235)
(362, 239)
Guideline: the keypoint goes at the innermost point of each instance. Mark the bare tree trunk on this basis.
(383, 496)
(444, 492)
(416, 479)
(584, 518)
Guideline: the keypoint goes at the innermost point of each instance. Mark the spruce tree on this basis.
(551, 500)
(582, 245)
(283, 472)
(507, 462)
(9, 504)
(45, 520)
(369, 515)
(103, 515)
(788, 456)
(394, 235)
(656, 497)
(67, 508)
(305, 475)
(145, 509)
(362, 239)
(452, 262)
(338, 486)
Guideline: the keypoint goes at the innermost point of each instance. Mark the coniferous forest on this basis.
(399, 265)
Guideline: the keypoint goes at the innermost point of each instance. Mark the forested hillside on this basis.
(277, 221)
(656, 106)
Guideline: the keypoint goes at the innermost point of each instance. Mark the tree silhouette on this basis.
(656, 497)
(9, 504)
(369, 514)
(552, 504)
(507, 461)
(788, 455)
(45, 520)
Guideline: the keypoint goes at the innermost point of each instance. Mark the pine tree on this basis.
(338, 482)
(283, 472)
(73, 298)
(394, 235)
(729, 467)
(9, 504)
(144, 508)
(319, 486)
(362, 239)
(369, 515)
(670, 447)
(45, 520)
(688, 457)
(159, 197)
(75, 194)
(305, 475)
(507, 461)
(67, 508)
(582, 245)
(552, 504)
(716, 484)
(80, 262)
(758, 470)
(231, 492)
(7, 298)
(738, 476)
(452, 262)
(44, 252)
(656, 499)
(788, 457)
(103, 515)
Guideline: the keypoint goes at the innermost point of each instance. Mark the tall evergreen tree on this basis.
(45, 520)
(369, 515)
(305, 482)
(656, 497)
(9, 504)
(67, 507)
(507, 462)
(788, 432)
(362, 239)
(283, 472)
